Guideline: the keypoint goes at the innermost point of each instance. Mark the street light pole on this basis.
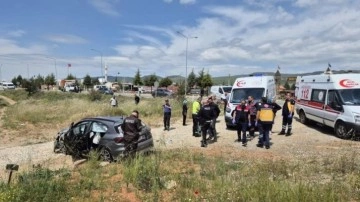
(186, 55)
(56, 77)
(101, 54)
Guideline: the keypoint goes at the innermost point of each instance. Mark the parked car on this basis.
(106, 91)
(102, 134)
(161, 93)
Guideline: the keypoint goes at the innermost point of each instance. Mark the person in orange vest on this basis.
(287, 113)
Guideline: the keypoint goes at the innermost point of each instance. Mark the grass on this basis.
(44, 113)
(192, 177)
(169, 175)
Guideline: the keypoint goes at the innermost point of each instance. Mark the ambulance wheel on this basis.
(303, 118)
(341, 130)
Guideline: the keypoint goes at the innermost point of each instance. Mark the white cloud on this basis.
(66, 39)
(12, 47)
(187, 1)
(105, 6)
(182, 1)
(16, 33)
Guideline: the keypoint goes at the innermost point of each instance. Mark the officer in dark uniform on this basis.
(287, 113)
(265, 118)
(206, 116)
(131, 128)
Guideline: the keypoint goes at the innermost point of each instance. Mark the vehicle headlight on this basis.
(356, 117)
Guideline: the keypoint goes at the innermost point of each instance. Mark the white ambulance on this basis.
(332, 100)
(257, 86)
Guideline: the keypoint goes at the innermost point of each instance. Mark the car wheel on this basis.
(303, 118)
(105, 155)
(341, 130)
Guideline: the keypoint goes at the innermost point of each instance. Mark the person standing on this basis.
(167, 114)
(287, 113)
(195, 110)
(206, 116)
(113, 101)
(137, 99)
(253, 112)
(265, 117)
(225, 100)
(184, 111)
(216, 111)
(131, 128)
(241, 118)
(276, 108)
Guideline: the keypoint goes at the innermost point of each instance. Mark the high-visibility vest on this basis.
(266, 114)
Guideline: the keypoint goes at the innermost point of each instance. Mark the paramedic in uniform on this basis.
(287, 113)
(206, 116)
(265, 117)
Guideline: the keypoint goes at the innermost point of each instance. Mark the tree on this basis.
(149, 81)
(191, 80)
(95, 81)
(70, 77)
(87, 81)
(206, 81)
(165, 82)
(200, 77)
(14, 81)
(50, 80)
(293, 86)
(287, 86)
(137, 80)
(30, 86)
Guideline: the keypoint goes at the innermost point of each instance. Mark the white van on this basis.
(219, 91)
(256, 86)
(332, 100)
(7, 86)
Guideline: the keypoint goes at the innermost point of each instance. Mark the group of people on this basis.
(204, 117)
(260, 116)
(247, 116)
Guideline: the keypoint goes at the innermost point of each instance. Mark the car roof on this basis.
(114, 119)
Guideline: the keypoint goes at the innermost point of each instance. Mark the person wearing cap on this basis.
(195, 110)
(167, 114)
(184, 111)
(131, 128)
(216, 110)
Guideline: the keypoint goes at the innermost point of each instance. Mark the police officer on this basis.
(287, 113)
(206, 116)
(265, 118)
(195, 110)
(131, 128)
(216, 110)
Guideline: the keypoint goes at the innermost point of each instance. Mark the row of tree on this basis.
(202, 80)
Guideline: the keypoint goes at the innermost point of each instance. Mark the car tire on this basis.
(303, 118)
(341, 130)
(105, 155)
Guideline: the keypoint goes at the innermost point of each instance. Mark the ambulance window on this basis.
(318, 95)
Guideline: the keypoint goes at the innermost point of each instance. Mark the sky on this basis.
(175, 37)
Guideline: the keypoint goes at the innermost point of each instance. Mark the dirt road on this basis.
(306, 142)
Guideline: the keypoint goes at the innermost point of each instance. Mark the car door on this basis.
(332, 108)
(76, 140)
